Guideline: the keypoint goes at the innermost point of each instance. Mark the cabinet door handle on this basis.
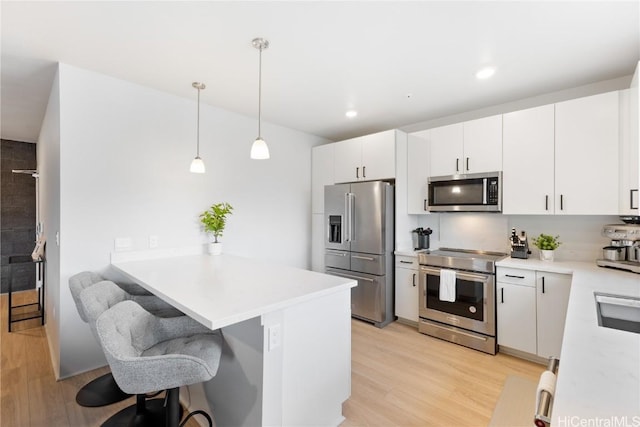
(414, 280)
(546, 202)
(467, 164)
(561, 202)
(543, 284)
(457, 164)
(501, 295)
(406, 262)
(364, 171)
(424, 205)
(631, 198)
(515, 277)
(357, 172)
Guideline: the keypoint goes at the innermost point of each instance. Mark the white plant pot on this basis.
(215, 248)
(546, 255)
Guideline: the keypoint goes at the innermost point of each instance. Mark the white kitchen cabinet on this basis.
(483, 145)
(528, 165)
(417, 175)
(531, 310)
(586, 155)
(446, 145)
(407, 288)
(518, 304)
(470, 147)
(516, 310)
(317, 242)
(348, 160)
(552, 298)
(321, 174)
(630, 148)
(366, 158)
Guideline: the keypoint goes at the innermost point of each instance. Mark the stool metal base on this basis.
(101, 391)
(145, 413)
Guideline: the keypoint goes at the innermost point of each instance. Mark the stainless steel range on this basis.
(457, 296)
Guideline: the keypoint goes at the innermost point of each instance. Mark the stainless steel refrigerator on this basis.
(359, 240)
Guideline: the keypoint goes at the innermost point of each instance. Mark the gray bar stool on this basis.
(103, 390)
(94, 301)
(148, 353)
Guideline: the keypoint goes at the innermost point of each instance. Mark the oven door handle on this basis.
(461, 274)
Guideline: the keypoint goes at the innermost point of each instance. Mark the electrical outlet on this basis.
(123, 244)
(153, 241)
(275, 337)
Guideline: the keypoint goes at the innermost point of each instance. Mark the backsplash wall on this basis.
(580, 235)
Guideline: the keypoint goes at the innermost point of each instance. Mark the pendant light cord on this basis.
(198, 127)
(260, 93)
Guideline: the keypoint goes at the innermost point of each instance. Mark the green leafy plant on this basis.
(546, 242)
(214, 219)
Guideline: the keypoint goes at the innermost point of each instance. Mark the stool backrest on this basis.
(99, 298)
(78, 283)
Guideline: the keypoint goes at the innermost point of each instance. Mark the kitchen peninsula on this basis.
(287, 353)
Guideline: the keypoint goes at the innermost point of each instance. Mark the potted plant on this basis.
(214, 220)
(547, 245)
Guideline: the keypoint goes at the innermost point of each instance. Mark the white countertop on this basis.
(408, 252)
(599, 376)
(222, 290)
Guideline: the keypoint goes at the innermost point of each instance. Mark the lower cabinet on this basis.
(531, 310)
(407, 288)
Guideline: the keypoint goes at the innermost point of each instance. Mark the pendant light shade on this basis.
(197, 165)
(259, 149)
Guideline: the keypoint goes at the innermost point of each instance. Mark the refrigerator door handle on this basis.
(347, 218)
(351, 206)
(349, 199)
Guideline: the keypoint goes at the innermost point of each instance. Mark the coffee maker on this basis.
(519, 245)
(624, 250)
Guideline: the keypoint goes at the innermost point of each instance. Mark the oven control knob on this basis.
(472, 309)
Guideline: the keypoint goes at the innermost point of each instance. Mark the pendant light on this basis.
(259, 149)
(197, 165)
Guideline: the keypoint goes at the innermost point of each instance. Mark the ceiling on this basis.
(397, 63)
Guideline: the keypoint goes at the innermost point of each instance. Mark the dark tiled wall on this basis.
(17, 212)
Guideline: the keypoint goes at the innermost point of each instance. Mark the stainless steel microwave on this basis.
(478, 192)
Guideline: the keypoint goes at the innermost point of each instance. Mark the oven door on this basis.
(474, 305)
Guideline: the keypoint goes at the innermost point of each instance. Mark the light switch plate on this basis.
(275, 336)
(153, 241)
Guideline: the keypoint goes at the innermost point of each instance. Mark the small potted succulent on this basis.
(547, 245)
(214, 220)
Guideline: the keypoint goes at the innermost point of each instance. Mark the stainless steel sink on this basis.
(618, 312)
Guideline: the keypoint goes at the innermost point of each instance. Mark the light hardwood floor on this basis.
(399, 378)
(30, 395)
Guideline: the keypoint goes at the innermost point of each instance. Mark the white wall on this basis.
(125, 152)
(580, 235)
(48, 159)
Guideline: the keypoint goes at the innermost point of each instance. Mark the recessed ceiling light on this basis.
(485, 73)
(351, 114)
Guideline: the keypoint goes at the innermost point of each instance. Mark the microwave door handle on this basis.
(484, 191)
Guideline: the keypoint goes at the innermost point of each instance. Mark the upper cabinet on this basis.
(417, 174)
(630, 152)
(562, 158)
(321, 175)
(528, 166)
(470, 147)
(586, 155)
(366, 158)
